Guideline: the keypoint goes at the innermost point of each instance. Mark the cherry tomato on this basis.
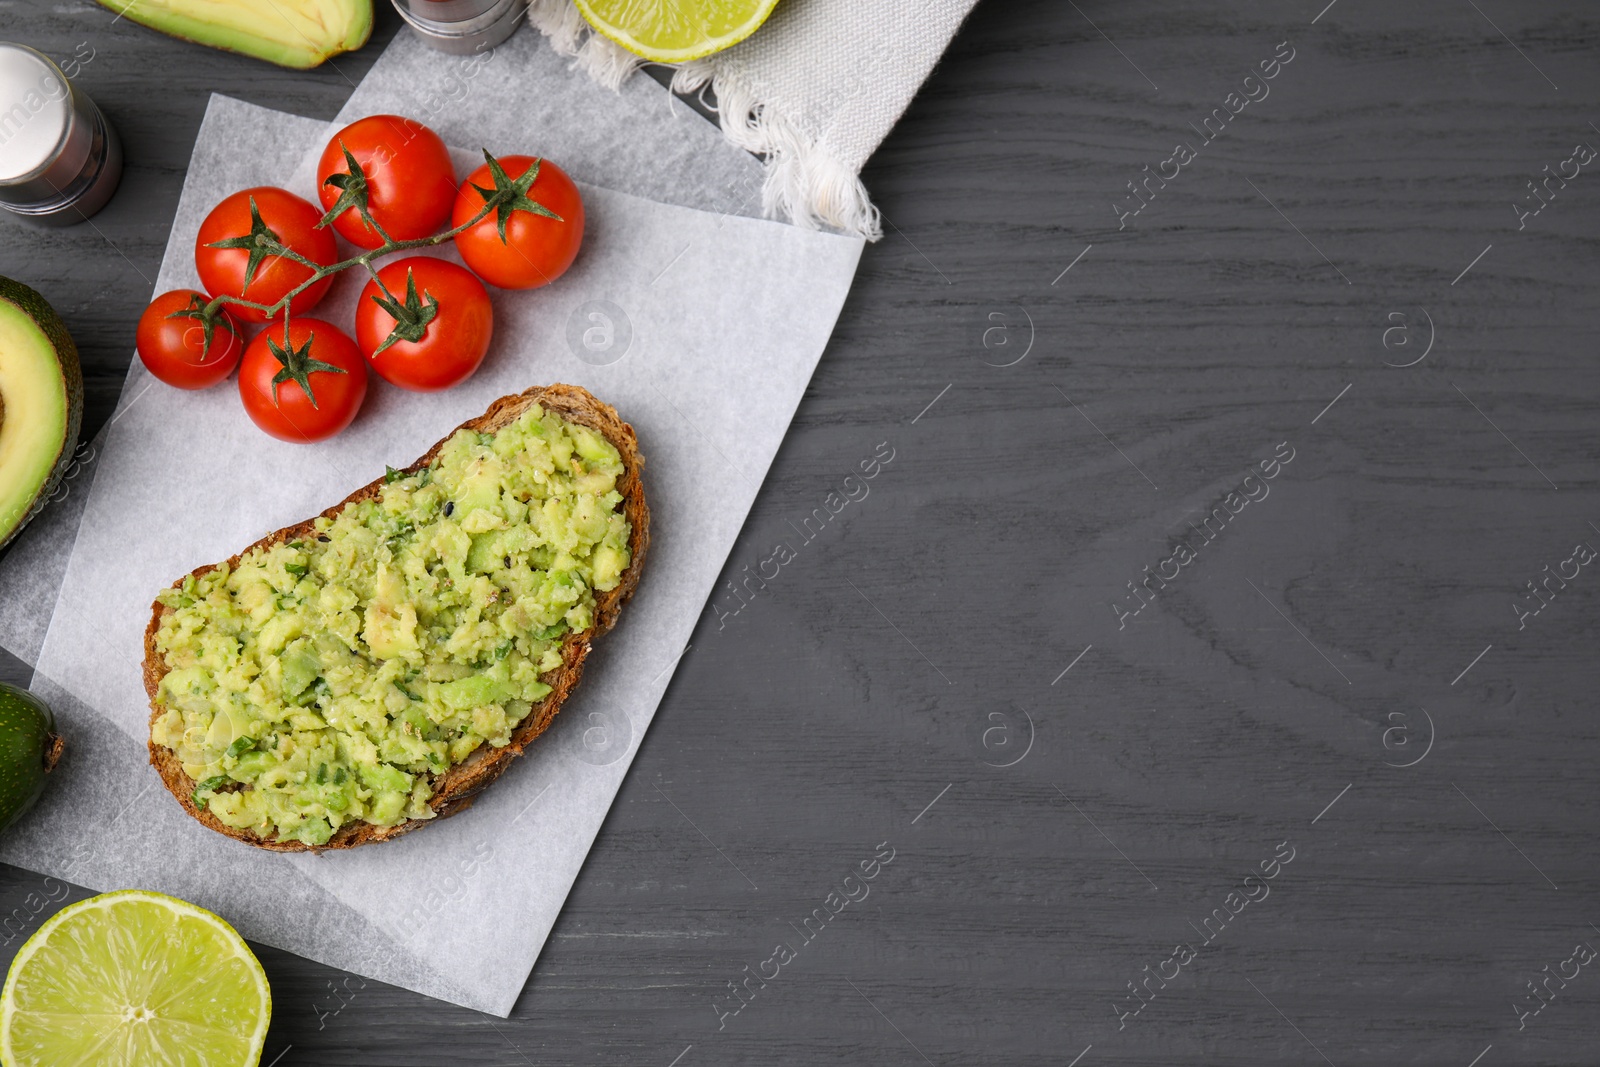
(410, 181)
(446, 310)
(307, 389)
(174, 344)
(537, 248)
(239, 269)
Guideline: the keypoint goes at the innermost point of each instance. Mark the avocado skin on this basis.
(172, 18)
(37, 308)
(29, 750)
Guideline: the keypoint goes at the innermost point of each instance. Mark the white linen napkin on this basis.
(814, 91)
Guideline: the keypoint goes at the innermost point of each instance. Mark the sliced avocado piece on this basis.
(41, 403)
(486, 552)
(480, 488)
(591, 446)
(290, 33)
(473, 691)
(300, 668)
(383, 778)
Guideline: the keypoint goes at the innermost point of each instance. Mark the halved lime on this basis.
(675, 31)
(134, 978)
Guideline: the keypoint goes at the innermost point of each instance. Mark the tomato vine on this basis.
(507, 197)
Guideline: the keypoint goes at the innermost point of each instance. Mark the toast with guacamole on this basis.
(352, 677)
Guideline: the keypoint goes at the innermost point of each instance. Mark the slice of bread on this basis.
(455, 788)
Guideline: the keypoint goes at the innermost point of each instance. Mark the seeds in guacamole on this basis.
(327, 680)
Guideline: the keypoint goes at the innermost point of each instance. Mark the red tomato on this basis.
(172, 341)
(537, 248)
(410, 181)
(447, 311)
(320, 383)
(227, 271)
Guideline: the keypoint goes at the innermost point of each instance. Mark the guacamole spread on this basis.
(324, 680)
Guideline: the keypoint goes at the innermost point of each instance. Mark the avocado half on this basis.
(30, 748)
(290, 33)
(41, 403)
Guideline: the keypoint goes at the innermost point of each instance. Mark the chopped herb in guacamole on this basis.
(323, 681)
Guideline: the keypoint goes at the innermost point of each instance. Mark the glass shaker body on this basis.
(60, 160)
(462, 27)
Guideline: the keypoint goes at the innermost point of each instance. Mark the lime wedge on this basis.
(675, 31)
(134, 978)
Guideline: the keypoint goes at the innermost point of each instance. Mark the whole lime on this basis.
(29, 750)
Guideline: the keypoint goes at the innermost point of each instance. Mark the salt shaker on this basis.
(59, 158)
(462, 27)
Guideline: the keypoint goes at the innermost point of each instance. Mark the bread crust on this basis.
(458, 786)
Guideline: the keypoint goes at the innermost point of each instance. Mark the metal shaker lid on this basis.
(35, 112)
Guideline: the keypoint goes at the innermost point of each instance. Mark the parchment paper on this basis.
(519, 98)
(708, 328)
(33, 565)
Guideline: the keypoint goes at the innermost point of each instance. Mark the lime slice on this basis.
(134, 978)
(675, 31)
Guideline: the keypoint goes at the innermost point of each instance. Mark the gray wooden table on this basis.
(1309, 778)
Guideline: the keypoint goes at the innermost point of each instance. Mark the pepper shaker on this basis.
(59, 159)
(462, 27)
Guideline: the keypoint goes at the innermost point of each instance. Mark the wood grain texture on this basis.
(1291, 665)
